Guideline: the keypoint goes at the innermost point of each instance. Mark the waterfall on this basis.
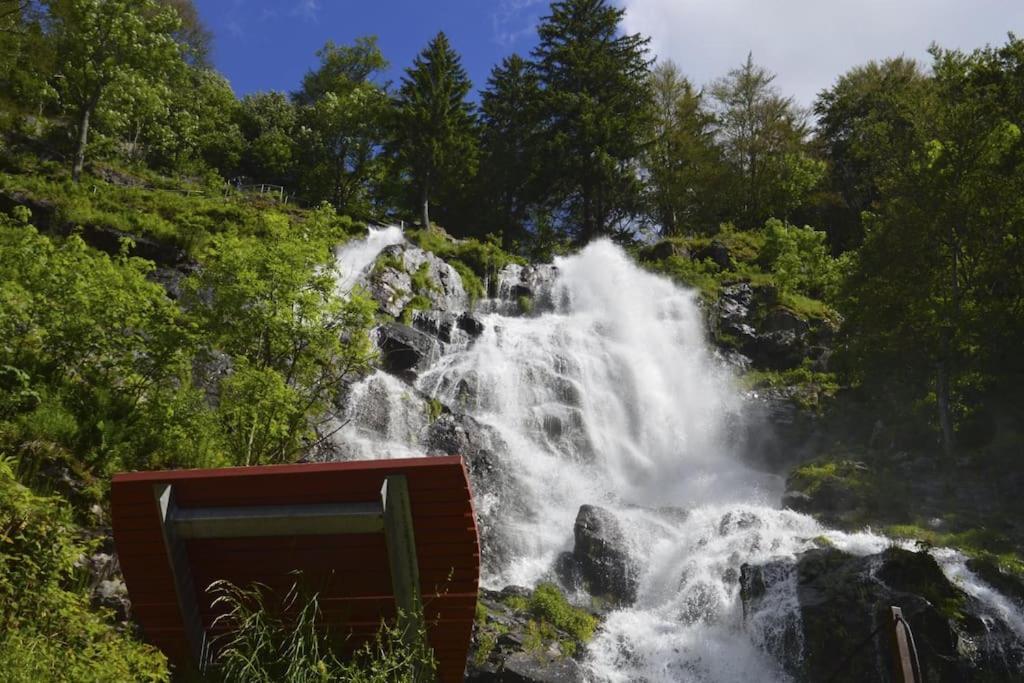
(611, 396)
(355, 257)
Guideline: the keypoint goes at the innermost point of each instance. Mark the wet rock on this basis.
(600, 561)
(989, 571)
(447, 326)
(515, 283)
(405, 351)
(844, 605)
(470, 324)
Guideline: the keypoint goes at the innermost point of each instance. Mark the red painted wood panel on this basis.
(349, 572)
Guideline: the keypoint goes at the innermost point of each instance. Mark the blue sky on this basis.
(270, 44)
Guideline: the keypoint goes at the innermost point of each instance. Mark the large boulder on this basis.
(524, 289)
(600, 561)
(843, 603)
(453, 433)
(405, 351)
(403, 272)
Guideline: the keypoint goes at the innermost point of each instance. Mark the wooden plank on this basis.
(903, 663)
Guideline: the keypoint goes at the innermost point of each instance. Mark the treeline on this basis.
(912, 174)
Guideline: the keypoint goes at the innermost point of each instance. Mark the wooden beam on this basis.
(184, 587)
(904, 663)
(401, 543)
(278, 520)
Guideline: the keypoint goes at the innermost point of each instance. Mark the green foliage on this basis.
(99, 344)
(799, 259)
(47, 631)
(265, 643)
(99, 42)
(342, 117)
(685, 165)
(471, 282)
(548, 604)
(484, 257)
(434, 143)
(271, 304)
(554, 620)
(595, 113)
(762, 135)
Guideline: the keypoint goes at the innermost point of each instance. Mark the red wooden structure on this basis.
(366, 535)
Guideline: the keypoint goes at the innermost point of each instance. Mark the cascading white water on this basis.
(614, 399)
(355, 257)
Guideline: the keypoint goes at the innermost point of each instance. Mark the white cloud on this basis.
(307, 9)
(514, 20)
(809, 43)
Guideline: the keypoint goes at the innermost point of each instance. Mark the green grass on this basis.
(162, 210)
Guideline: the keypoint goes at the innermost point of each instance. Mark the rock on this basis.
(515, 283)
(470, 324)
(783, 320)
(113, 595)
(833, 491)
(403, 271)
(717, 253)
(447, 326)
(843, 608)
(502, 651)
(455, 433)
(405, 351)
(600, 560)
(524, 667)
(778, 350)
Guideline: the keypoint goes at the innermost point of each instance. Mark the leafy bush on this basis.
(47, 631)
(483, 257)
(799, 259)
(271, 304)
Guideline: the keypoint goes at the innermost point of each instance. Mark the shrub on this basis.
(47, 631)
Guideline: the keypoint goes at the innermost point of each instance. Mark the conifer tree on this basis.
(509, 144)
(596, 109)
(435, 142)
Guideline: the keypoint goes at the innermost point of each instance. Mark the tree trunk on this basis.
(83, 139)
(425, 198)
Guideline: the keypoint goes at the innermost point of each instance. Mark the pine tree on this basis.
(509, 145)
(595, 108)
(435, 142)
